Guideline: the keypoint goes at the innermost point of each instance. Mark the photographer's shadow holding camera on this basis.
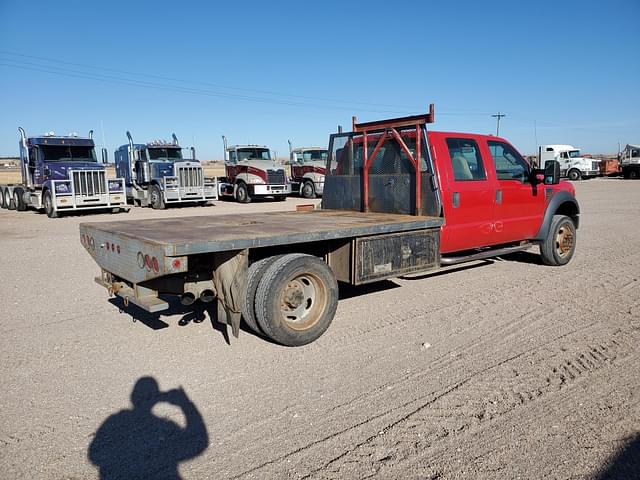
(136, 443)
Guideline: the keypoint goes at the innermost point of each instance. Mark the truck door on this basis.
(519, 204)
(467, 193)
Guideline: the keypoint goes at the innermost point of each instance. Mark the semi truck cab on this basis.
(61, 174)
(251, 171)
(572, 164)
(308, 168)
(157, 175)
(630, 161)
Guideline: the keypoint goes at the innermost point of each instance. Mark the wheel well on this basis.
(570, 210)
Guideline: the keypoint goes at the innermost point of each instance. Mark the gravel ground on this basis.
(500, 369)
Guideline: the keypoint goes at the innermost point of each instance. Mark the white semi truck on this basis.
(629, 160)
(572, 164)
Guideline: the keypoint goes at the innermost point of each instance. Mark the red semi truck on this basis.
(398, 199)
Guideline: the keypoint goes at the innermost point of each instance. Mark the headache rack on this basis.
(390, 128)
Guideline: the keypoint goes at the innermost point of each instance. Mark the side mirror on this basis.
(552, 172)
(105, 156)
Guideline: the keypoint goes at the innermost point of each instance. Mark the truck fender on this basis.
(245, 178)
(561, 203)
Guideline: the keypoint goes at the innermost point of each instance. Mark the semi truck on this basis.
(62, 174)
(251, 171)
(157, 175)
(308, 167)
(572, 164)
(399, 199)
(629, 160)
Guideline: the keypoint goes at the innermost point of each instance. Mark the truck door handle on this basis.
(498, 197)
(455, 199)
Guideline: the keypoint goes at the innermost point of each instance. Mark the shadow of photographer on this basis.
(135, 443)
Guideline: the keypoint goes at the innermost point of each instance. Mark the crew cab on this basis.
(398, 199)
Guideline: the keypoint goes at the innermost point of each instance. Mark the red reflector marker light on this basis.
(155, 265)
(147, 261)
(176, 264)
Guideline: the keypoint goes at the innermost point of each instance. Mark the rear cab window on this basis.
(466, 160)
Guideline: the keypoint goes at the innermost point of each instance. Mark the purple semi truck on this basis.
(62, 174)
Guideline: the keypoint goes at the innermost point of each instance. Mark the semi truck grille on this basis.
(190, 177)
(89, 182)
(275, 177)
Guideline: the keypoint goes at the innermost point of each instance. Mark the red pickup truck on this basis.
(398, 199)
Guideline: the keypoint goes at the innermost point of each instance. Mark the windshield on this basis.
(311, 155)
(68, 153)
(254, 154)
(165, 153)
(574, 153)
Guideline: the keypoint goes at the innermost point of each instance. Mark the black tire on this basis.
(560, 245)
(8, 200)
(18, 199)
(242, 193)
(308, 189)
(574, 174)
(633, 174)
(155, 198)
(255, 273)
(296, 299)
(47, 201)
(2, 204)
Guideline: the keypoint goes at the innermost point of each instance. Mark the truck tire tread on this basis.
(254, 274)
(549, 247)
(268, 297)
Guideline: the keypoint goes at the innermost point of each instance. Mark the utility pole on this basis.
(498, 116)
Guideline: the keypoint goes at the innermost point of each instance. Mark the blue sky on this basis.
(265, 72)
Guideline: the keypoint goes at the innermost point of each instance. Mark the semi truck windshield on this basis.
(68, 153)
(254, 154)
(165, 154)
(574, 153)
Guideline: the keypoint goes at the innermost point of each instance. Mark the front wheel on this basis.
(242, 193)
(633, 174)
(48, 205)
(308, 189)
(296, 299)
(574, 175)
(155, 198)
(560, 245)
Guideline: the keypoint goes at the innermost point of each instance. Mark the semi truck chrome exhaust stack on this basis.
(175, 139)
(24, 162)
(224, 142)
(91, 134)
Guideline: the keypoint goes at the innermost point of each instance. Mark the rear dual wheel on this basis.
(295, 300)
(8, 202)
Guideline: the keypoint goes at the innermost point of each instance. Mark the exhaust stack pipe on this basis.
(207, 296)
(224, 142)
(187, 298)
(24, 161)
(175, 139)
(91, 134)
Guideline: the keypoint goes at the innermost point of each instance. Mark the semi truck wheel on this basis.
(8, 201)
(155, 198)
(559, 246)
(2, 202)
(633, 174)
(242, 193)
(308, 189)
(18, 200)
(47, 200)
(255, 273)
(296, 299)
(574, 175)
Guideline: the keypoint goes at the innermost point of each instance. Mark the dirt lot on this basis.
(502, 369)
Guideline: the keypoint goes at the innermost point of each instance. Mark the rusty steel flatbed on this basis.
(192, 235)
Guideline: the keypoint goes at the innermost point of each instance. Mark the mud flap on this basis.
(230, 280)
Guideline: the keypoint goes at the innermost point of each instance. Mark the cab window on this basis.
(466, 160)
(508, 163)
